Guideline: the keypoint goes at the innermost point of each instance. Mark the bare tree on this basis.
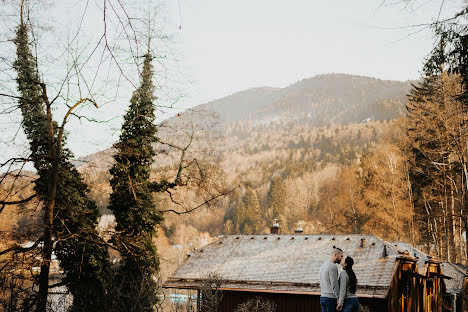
(257, 304)
(210, 293)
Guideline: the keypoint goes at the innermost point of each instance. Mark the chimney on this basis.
(275, 229)
(362, 242)
(298, 231)
(384, 252)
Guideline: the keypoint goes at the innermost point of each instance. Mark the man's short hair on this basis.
(336, 251)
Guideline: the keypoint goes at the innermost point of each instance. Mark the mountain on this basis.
(317, 101)
(239, 105)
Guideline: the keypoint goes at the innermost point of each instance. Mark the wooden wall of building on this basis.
(291, 303)
(413, 292)
(283, 302)
(434, 287)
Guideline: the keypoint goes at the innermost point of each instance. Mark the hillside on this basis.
(314, 102)
(302, 134)
(317, 101)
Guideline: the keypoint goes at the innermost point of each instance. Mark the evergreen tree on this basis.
(239, 217)
(277, 199)
(251, 221)
(131, 200)
(238, 211)
(70, 216)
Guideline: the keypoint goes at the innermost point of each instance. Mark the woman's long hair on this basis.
(352, 277)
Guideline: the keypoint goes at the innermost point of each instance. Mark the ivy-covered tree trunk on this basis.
(131, 200)
(70, 217)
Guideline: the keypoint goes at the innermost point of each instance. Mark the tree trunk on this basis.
(452, 231)
(465, 226)
(54, 155)
(48, 242)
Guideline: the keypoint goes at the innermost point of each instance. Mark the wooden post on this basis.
(454, 303)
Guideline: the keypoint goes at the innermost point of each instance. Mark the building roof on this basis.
(458, 274)
(415, 252)
(288, 263)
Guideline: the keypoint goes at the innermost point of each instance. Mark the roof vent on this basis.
(292, 237)
(362, 242)
(252, 237)
(265, 237)
(275, 228)
(333, 238)
(347, 238)
(306, 238)
(319, 238)
(298, 230)
(237, 237)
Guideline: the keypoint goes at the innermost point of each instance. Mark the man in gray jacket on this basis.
(329, 281)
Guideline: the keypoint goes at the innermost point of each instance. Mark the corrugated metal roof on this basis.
(288, 263)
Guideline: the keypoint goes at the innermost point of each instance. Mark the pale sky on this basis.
(226, 46)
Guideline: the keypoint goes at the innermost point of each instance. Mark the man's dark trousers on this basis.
(328, 304)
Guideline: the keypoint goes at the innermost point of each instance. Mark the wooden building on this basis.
(284, 269)
(455, 277)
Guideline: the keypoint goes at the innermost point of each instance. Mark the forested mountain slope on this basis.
(279, 149)
(317, 101)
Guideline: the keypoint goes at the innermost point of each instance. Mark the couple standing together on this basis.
(338, 293)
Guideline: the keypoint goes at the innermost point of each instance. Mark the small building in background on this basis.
(456, 287)
(283, 270)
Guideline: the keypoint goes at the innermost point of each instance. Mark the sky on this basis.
(219, 47)
(228, 46)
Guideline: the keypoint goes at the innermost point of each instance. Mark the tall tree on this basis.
(252, 220)
(436, 129)
(342, 203)
(131, 200)
(247, 213)
(386, 194)
(69, 215)
(277, 199)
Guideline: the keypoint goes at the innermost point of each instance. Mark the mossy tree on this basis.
(131, 200)
(70, 217)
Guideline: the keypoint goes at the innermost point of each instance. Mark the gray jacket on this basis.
(344, 288)
(329, 280)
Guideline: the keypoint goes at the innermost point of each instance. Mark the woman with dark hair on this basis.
(348, 301)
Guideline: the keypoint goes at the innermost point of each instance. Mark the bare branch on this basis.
(5, 203)
(18, 248)
(199, 206)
